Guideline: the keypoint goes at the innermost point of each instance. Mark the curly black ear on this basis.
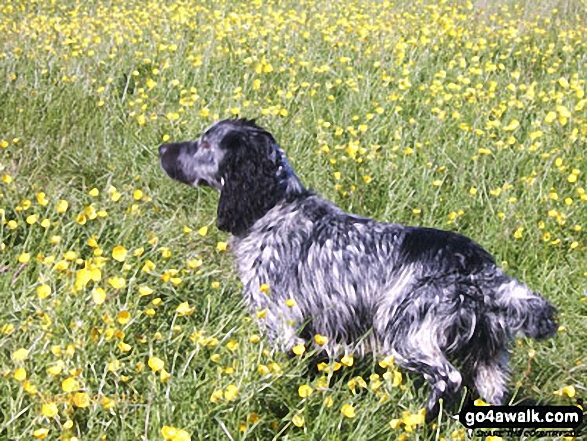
(251, 188)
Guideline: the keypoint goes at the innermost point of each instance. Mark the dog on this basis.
(432, 299)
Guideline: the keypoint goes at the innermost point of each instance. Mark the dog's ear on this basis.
(250, 186)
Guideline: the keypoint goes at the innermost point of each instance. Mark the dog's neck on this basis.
(287, 179)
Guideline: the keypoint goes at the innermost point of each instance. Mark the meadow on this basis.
(120, 313)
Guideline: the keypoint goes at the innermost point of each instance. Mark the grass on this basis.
(441, 114)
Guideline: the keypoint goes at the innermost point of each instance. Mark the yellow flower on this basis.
(305, 391)
(43, 291)
(569, 391)
(170, 433)
(24, 258)
(217, 396)
(184, 309)
(232, 345)
(20, 374)
(348, 410)
(42, 199)
(299, 349)
(81, 399)
(119, 253)
(41, 433)
(107, 403)
(290, 303)
(30, 387)
(61, 206)
(124, 347)
(221, 246)
(412, 420)
(145, 291)
(148, 266)
(231, 392)
(347, 360)
(320, 340)
(56, 368)
(70, 384)
(20, 355)
(156, 364)
(123, 317)
(117, 282)
(519, 233)
(98, 295)
(513, 125)
(49, 410)
(298, 420)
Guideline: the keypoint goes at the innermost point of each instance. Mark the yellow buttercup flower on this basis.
(156, 364)
(348, 410)
(119, 253)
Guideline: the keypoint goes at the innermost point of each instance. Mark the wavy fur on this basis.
(433, 299)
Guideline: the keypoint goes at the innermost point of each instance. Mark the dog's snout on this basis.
(163, 149)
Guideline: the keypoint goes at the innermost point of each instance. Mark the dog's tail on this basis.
(526, 312)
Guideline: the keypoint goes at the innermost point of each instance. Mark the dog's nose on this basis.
(163, 149)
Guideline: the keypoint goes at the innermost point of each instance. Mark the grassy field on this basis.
(120, 313)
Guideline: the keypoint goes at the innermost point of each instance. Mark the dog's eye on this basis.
(204, 145)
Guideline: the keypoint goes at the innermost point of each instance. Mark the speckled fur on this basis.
(428, 297)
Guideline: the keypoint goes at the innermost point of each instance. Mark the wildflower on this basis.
(70, 384)
(81, 399)
(148, 266)
(49, 410)
(231, 392)
(156, 364)
(305, 391)
(145, 290)
(184, 309)
(320, 340)
(347, 360)
(221, 246)
(263, 370)
(569, 391)
(119, 253)
(348, 410)
(117, 282)
(20, 374)
(298, 420)
(20, 354)
(299, 349)
(123, 317)
(61, 206)
(232, 345)
(513, 125)
(98, 295)
(124, 347)
(41, 433)
(217, 396)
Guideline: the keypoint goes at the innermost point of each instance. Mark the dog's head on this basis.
(242, 161)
